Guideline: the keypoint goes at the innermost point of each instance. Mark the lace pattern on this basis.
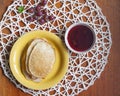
(83, 69)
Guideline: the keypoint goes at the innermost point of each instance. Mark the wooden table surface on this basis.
(109, 82)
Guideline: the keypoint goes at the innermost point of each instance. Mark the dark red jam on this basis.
(80, 38)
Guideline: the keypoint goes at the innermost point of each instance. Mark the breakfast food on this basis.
(39, 60)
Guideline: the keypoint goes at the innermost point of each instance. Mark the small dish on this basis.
(59, 69)
(80, 37)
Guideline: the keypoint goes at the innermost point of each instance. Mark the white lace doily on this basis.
(84, 69)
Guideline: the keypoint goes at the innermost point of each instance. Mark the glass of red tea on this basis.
(80, 37)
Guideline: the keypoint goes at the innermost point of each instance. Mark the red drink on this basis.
(80, 37)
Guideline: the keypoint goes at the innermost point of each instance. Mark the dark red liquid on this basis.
(80, 38)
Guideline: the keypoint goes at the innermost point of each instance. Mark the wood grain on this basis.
(109, 82)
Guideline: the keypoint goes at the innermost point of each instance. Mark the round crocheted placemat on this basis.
(83, 69)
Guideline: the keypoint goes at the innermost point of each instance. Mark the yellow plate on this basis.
(59, 69)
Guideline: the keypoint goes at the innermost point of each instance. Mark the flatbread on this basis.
(41, 59)
(27, 75)
(30, 48)
(37, 60)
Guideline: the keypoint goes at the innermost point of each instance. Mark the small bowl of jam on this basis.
(80, 37)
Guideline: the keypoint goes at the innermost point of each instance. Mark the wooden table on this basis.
(109, 82)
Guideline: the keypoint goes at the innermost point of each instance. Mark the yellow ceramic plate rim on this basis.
(59, 69)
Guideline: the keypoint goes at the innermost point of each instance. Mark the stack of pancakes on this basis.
(39, 60)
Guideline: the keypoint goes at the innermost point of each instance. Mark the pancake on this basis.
(38, 60)
(30, 48)
(41, 59)
(24, 69)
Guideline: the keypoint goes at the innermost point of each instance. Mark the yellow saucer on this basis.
(59, 69)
